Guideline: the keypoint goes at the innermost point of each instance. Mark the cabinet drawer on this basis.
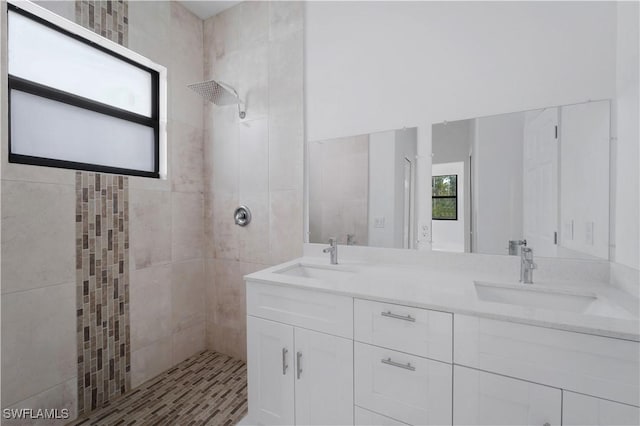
(408, 388)
(318, 311)
(417, 331)
(369, 418)
(582, 410)
(481, 398)
(599, 366)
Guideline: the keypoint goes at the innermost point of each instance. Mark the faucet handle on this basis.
(333, 241)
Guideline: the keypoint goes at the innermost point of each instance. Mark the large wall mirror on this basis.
(538, 177)
(361, 189)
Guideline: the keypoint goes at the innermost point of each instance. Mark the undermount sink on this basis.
(318, 272)
(537, 297)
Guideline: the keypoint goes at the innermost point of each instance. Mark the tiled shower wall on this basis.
(102, 288)
(167, 311)
(102, 253)
(257, 47)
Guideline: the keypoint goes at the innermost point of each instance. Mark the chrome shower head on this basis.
(219, 93)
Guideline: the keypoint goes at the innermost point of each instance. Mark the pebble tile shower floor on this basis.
(207, 389)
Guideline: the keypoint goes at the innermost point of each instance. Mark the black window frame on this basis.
(455, 197)
(27, 86)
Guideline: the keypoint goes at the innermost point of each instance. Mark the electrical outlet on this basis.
(425, 231)
(378, 222)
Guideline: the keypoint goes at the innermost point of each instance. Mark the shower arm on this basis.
(241, 112)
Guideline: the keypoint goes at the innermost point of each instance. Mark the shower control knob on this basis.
(242, 216)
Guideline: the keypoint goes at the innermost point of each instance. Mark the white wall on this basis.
(437, 61)
(627, 197)
(448, 235)
(497, 182)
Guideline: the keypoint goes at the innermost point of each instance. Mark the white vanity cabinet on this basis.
(270, 372)
(481, 398)
(402, 362)
(296, 375)
(548, 361)
(316, 358)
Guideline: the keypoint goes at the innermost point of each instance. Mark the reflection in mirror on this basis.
(361, 189)
(536, 178)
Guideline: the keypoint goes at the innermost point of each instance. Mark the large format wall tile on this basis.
(253, 145)
(285, 17)
(38, 341)
(186, 157)
(188, 342)
(187, 216)
(258, 161)
(253, 239)
(230, 341)
(222, 156)
(286, 149)
(186, 64)
(224, 232)
(38, 243)
(149, 29)
(150, 305)
(286, 223)
(150, 361)
(60, 397)
(187, 294)
(150, 213)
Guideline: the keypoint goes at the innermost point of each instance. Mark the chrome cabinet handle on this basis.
(298, 364)
(396, 316)
(406, 366)
(284, 361)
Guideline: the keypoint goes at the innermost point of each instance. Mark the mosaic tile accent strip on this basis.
(102, 288)
(206, 389)
(108, 18)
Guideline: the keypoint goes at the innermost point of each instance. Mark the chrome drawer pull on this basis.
(284, 361)
(299, 364)
(406, 366)
(396, 316)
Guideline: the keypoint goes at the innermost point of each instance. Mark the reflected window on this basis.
(444, 197)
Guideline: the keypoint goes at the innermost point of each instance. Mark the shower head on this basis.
(219, 93)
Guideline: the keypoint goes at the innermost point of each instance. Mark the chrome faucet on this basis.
(526, 265)
(333, 249)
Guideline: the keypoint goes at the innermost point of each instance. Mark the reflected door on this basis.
(540, 182)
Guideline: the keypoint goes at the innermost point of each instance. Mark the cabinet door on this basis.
(405, 387)
(481, 398)
(324, 379)
(369, 418)
(270, 372)
(587, 411)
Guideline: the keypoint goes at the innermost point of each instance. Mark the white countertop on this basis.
(613, 314)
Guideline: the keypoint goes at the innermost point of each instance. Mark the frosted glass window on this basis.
(72, 134)
(78, 104)
(49, 57)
